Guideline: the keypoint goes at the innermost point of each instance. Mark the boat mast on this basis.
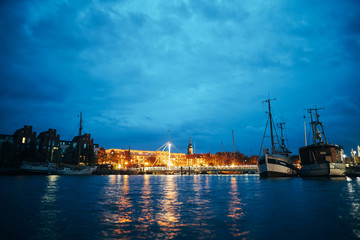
(169, 145)
(314, 125)
(79, 142)
(281, 126)
(305, 131)
(271, 125)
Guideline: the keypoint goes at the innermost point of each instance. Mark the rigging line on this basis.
(72, 134)
(277, 135)
(154, 154)
(162, 152)
(173, 146)
(267, 122)
(286, 139)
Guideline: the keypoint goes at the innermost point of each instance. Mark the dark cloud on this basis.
(137, 69)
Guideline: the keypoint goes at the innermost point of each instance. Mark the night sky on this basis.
(198, 68)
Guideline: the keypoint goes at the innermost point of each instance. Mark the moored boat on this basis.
(37, 167)
(85, 170)
(276, 165)
(78, 168)
(320, 159)
(275, 162)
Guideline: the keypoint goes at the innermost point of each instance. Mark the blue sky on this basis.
(201, 69)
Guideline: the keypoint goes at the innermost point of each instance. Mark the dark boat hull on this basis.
(315, 160)
(315, 170)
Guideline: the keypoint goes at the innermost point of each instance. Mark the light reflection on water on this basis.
(236, 210)
(167, 218)
(353, 186)
(179, 207)
(48, 211)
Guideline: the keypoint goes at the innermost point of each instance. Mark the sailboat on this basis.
(36, 167)
(320, 159)
(74, 169)
(275, 162)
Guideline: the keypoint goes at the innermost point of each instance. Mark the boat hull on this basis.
(68, 171)
(315, 170)
(35, 168)
(272, 166)
(337, 169)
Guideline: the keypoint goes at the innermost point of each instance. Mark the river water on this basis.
(178, 207)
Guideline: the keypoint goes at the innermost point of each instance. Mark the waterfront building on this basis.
(125, 158)
(24, 138)
(86, 151)
(48, 143)
(6, 138)
(24, 145)
(64, 145)
(190, 150)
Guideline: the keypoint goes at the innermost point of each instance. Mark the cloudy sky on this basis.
(198, 68)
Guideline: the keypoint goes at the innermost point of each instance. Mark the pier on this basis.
(241, 169)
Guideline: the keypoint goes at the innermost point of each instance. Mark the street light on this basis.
(52, 153)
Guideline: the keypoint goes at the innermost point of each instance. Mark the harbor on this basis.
(178, 207)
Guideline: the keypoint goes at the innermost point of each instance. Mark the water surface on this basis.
(178, 207)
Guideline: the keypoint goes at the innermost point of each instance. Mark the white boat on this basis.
(276, 163)
(36, 167)
(320, 159)
(85, 170)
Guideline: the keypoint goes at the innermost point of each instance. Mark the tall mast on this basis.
(320, 123)
(281, 126)
(314, 125)
(233, 140)
(169, 145)
(79, 142)
(271, 125)
(305, 131)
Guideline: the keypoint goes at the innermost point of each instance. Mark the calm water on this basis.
(178, 207)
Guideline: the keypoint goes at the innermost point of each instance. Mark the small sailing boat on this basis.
(74, 169)
(275, 162)
(36, 167)
(320, 159)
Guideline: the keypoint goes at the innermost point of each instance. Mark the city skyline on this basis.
(137, 69)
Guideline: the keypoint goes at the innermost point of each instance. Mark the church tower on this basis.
(190, 150)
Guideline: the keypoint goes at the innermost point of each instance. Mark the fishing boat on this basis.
(74, 169)
(275, 162)
(320, 159)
